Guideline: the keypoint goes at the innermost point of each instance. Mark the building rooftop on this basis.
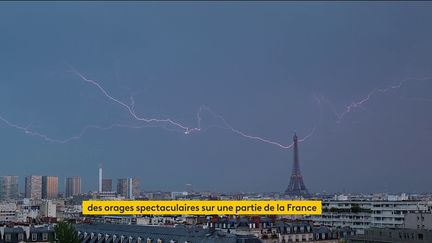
(178, 233)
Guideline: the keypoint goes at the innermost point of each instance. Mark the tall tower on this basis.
(100, 177)
(296, 186)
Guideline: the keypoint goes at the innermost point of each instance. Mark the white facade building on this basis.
(361, 215)
(8, 212)
(48, 209)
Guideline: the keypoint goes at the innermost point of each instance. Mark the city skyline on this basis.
(354, 79)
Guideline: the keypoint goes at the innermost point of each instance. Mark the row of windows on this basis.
(126, 239)
(34, 237)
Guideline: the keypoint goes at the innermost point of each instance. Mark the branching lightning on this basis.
(360, 103)
(172, 125)
(130, 109)
(27, 130)
(184, 128)
(229, 127)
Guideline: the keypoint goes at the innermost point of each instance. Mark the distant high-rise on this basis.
(122, 187)
(128, 188)
(73, 186)
(8, 188)
(107, 185)
(136, 190)
(49, 187)
(296, 186)
(33, 187)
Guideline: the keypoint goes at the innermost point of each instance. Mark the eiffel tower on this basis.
(296, 186)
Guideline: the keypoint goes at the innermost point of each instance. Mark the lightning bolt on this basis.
(130, 108)
(27, 130)
(231, 128)
(360, 103)
(171, 125)
(184, 128)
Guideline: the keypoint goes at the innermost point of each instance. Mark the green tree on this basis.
(355, 208)
(65, 233)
